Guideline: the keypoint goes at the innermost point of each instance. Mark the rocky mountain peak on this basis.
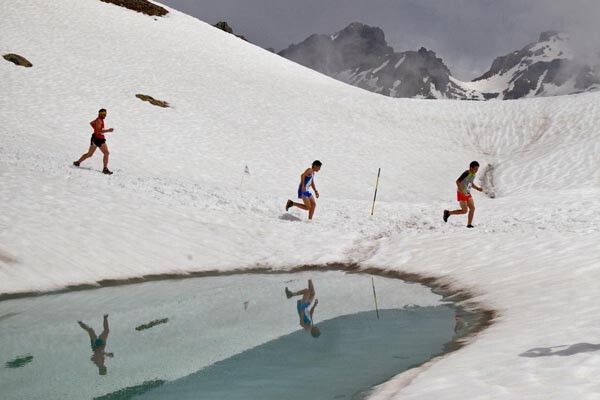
(549, 35)
(359, 55)
(354, 46)
(370, 38)
(543, 68)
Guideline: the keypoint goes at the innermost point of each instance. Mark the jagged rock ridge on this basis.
(359, 55)
(143, 6)
(544, 68)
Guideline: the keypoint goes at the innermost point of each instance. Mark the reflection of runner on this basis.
(459, 323)
(98, 344)
(307, 182)
(306, 315)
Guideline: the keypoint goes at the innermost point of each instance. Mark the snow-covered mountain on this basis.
(544, 68)
(359, 55)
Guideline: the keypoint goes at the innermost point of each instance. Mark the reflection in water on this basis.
(234, 337)
(5, 316)
(151, 324)
(459, 323)
(20, 361)
(356, 352)
(132, 391)
(98, 344)
(306, 315)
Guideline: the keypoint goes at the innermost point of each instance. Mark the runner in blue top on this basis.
(307, 182)
(302, 306)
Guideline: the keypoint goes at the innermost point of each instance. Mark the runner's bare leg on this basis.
(89, 153)
(104, 150)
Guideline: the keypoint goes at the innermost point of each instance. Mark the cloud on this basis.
(579, 18)
(467, 34)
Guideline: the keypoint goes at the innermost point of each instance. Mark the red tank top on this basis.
(98, 126)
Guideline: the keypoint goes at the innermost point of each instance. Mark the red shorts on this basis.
(463, 196)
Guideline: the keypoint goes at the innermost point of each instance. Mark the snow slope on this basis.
(176, 202)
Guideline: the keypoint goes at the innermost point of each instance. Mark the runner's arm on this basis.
(96, 127)
(478, 187)
(312, 310)
(302, 323)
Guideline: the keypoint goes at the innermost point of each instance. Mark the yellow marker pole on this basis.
(376, 186)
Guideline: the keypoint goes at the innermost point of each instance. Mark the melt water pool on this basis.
(227, 337)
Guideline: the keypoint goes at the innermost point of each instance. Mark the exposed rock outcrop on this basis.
(224, 26)
(143, 6)
(17, 60)
(152, 100)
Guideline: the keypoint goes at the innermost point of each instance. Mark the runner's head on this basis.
(316, 165)
(102, 113)
(474, 166)
(315, 332)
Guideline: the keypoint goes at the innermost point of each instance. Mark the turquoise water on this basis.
(353, 353)
(223, 337)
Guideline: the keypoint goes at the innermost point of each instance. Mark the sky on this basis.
(467, 34)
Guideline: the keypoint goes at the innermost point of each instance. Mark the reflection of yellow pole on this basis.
(375, 297)
(375, 196)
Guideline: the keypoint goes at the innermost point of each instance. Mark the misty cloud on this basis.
(580, 19)
(467, 34)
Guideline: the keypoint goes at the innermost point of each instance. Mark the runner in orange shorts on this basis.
(463, 194)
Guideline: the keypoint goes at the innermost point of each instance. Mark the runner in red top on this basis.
(98, 140)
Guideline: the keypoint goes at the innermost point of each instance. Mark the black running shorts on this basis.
(97, 141)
